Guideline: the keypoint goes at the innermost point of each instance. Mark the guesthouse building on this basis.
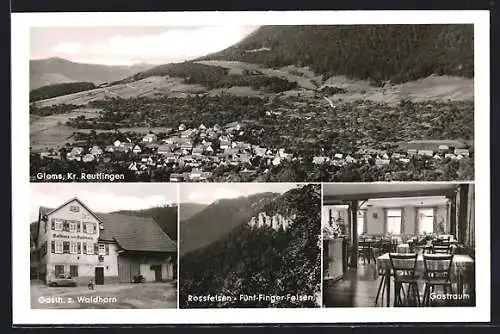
(72, 240)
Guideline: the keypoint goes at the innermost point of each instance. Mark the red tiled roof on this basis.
(136, 233)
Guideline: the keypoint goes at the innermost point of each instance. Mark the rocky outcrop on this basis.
(276, 221)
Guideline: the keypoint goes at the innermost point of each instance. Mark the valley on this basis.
(253, 116)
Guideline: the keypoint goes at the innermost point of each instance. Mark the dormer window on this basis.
(74, 208)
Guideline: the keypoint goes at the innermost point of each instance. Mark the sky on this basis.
(207, 193)
(131, 45)
(102, 197)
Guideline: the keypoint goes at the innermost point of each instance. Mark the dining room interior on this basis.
(398, 244)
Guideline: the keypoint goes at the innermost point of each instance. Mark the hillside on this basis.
(44, 72)
(215, 77)
(398, 53)
(188, 210)
(261, 261)
(59, 89)
(217, 220)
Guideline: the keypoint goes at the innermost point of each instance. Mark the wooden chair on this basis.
(404, 268)
(365, 251)
(437, 272)
(441, 249)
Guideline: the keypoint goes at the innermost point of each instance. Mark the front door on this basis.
(99, 275)
(157, 270)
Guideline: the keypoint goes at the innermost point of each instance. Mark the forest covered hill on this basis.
(59, 89)
(261, 261)
(398, 53)
(188, 210)
(217, 220)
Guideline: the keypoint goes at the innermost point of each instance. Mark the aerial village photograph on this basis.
(103, 246)
(294, 103)
(399, 245)
(254, 245)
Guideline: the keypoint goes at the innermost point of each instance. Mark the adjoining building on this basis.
(74, 241)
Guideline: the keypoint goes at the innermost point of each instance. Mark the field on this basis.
(150, 86)
(52, 131)
(430, 88)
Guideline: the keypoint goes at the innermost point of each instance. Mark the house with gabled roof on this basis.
(149, 138)
(462, 151)
(96, 150)
(74, 241)
(137, 149)
(88, 158)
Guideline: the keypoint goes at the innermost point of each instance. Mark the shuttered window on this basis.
(90, 248)
(59, 247)
(73, 248)
(73, 271)
(52, 247)
(66, 247)
(59, 270)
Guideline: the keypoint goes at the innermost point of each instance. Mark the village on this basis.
(207, 153)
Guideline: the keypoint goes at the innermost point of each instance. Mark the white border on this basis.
(23, 314)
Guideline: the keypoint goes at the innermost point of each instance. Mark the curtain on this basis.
(435, 220)
(403, 229)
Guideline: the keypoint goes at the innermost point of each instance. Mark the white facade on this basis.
(69, 244)
(68, 239)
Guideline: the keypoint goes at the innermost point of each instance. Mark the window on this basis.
(361, 222)
(66, 247)
(102, 249)
(74, 208)
(58, 270)
(45, 226)
(90, 248)
(72, 227)
(73, 271)
(89, 228)
(59, 247)
(394, 221)
(425, 221)
(58, 225)
(79, 248)
(73, 248)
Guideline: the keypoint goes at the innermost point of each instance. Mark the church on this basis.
(74, 241)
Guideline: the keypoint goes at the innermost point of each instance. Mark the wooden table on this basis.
(460, 266)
